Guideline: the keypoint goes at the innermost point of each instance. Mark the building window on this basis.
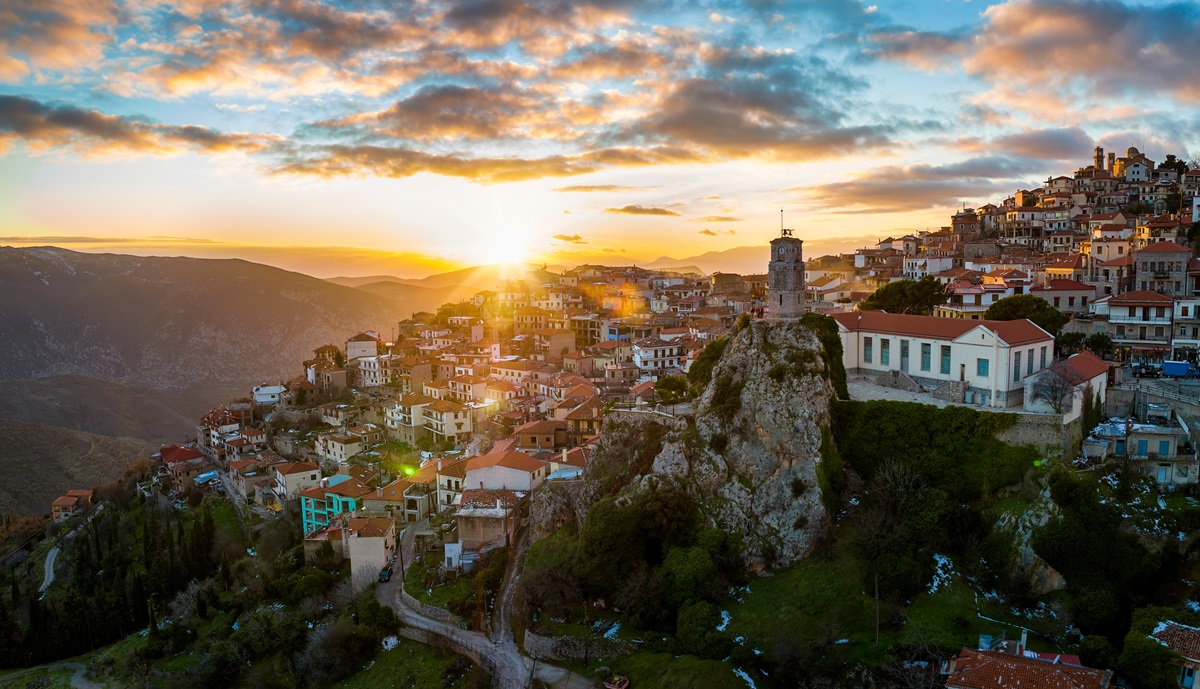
(945, 359)
(981, 367)
(1016, 367)
(926, 356)
(1164, 448)
(867, 342)
(885, 353)
(1043, 357)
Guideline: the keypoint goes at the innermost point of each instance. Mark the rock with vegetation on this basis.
(755, 455)
(752, 453)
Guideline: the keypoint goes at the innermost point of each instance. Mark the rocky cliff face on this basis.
(750, 455)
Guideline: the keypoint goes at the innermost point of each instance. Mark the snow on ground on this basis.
(612, 631)
(726, 618)
(390, 642)
(745, 677)
(941, 575)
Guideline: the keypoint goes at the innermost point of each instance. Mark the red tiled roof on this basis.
(295, 467)
(544, 426)
(1164, 247)
(511, 460)
(1140, 297)
(482, 498)
(994, 670)
(178, 453)
(1011, 332)
(1126, 260)
(1081, 367)
(1180, 638)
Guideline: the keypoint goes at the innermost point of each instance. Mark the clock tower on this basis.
(785, 278)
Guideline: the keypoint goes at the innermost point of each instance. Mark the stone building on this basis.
(785, 278)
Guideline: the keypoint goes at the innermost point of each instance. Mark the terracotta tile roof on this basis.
(543, 426)
(445, 407)
(296, 467)
(1180, 638)
(1164, 247)
(372, 527)
(1081, 367)
(454, 469)
(1141, 297)
(178, 453)
(487, 498)
(994, 670)
(65, 501)
(1126, 260)
(511, 459)
(1011, 332)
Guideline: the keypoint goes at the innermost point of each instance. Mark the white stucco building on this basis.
(992, 357)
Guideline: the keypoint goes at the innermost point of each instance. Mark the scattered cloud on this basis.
(635, 209)
(570, 238)
(39, 126)
(895, 189)
(602, 188)
(715, 218)
(707, 232)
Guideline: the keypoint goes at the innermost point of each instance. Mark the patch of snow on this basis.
(612, 631)
(726, 618)
(842, 641)
(1192, 605)
(745, 677)
(390, 642)
(941, 575)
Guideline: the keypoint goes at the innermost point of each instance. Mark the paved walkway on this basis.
(501, 656)
(48, 569)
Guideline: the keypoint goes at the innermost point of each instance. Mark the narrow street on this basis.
(501, 656)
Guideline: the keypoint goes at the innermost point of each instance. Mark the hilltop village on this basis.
(423, 444)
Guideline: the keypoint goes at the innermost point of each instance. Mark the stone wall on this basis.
(1048, 433)
(430, 611)
(571, 648)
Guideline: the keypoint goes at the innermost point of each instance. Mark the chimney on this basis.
(379, 492)
(498, 505)
(564, 459)
(1024, 638)
(439, 463)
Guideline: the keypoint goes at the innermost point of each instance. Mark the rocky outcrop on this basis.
(1042, 577)
(752, 451)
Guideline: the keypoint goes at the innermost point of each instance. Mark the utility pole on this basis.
(876, 616)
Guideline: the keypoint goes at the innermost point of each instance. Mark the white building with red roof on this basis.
(991, 357)
(507, 470)
(1066, 386)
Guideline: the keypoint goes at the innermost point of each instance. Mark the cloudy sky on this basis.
(411, 137)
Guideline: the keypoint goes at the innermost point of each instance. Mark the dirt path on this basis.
(79, 679)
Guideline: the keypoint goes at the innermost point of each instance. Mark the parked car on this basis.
(385, 574)
(1146, 371)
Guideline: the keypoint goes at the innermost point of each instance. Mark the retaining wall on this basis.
(572, 648)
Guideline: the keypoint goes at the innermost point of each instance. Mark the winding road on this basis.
(501, 655)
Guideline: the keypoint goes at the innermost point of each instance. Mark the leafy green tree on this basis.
(1100, 344)
(671, 389)
(1173, 162)
(700, 372)
(1069, 343)
(918, 297)
(1028, 306)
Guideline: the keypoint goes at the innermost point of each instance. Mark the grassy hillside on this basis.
(40, 463)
